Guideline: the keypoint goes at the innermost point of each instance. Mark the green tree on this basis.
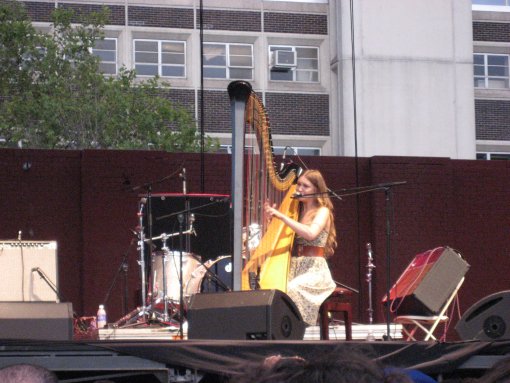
(52, 94)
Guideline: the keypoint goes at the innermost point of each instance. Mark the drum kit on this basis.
(174, 275)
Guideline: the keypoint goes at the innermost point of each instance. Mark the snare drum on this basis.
(172, 270)
(201, 282)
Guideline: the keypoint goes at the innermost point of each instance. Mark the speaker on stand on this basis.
(488, 319)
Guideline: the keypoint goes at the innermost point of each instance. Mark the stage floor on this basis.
(336, 332)
(156, 355)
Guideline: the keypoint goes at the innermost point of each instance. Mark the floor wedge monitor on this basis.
(488, 319)
(244, 315)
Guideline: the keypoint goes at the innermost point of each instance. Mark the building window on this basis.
(491, 71)
(164, 58)
(492, 156)
(228, 61)
(106, 50)
(491, 2)
(306, 68)
(279, 150)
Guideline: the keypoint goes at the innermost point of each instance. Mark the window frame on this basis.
(475, 4)
(492, 156)
(228, 66)
(296, 70)
(486, 77)
(160, 64)
(93, 49)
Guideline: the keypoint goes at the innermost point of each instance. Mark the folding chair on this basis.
(428, 324)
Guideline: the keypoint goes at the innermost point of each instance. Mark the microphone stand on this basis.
(47, 280)
(370, 268)
(387, 188)
(181, 298)
(142, 262)
(123, 267)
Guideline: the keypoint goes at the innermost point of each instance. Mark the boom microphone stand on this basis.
(123, 267)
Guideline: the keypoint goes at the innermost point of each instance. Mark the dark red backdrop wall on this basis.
(85, 201)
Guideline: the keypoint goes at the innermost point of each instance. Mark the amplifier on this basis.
(22, 264)
(427, 282)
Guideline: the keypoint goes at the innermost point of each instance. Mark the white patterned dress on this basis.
(310, 281)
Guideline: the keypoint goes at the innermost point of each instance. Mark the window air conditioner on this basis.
(284, 60)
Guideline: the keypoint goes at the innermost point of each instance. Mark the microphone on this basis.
(35, 269)
(143, 201)
(296, 195)
(191, 228)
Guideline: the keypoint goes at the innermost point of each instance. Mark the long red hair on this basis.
(316, 179)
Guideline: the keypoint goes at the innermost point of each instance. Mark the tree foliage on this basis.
(52, 94)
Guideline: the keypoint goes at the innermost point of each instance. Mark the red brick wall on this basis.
(84, 201)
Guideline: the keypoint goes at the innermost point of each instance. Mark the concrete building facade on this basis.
(338, 77)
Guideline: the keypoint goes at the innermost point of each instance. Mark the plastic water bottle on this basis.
(101, 317)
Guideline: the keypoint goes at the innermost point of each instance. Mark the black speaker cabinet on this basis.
(257, 314)
(427, 282)
(488, 319)
(36, 320)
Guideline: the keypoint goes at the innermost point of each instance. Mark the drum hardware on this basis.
(203, 273)
(144, 208)
(182, 262)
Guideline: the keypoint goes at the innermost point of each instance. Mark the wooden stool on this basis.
(337, 302)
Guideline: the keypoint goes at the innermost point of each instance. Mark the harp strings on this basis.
(262, 182)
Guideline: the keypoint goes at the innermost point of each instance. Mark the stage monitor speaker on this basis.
(36, 320)
(244, 315)
(488, 319)
(211, 213)
(21, 266)
(427, 282)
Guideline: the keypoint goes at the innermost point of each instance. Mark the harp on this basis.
(265, 246)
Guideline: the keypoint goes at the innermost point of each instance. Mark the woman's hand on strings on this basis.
(271, 211)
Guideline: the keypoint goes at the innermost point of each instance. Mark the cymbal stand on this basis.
(166, 251)
(180, 218)
(370, 268)
(141, 262)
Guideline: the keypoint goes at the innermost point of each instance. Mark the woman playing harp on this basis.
(269, 244)
(309, 279)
